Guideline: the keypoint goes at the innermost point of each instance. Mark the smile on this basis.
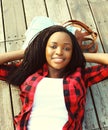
(58, 60)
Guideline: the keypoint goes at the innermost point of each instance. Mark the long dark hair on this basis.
(34, 57)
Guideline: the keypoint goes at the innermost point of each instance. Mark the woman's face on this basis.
(58, 50)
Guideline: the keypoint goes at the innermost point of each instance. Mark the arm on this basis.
(101, 58)
(11, 56)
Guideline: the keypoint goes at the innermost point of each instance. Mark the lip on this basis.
(58, 59)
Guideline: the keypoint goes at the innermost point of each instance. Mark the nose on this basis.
(59, 51)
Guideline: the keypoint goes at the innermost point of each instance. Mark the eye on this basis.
(67, 48)
(53, 46)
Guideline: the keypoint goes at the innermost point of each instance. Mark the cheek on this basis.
(69, 58)
(48, 54)
(69, 55)
(48, 51)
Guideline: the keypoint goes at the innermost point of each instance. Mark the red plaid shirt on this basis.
(75, 88)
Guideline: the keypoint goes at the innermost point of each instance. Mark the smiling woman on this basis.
(53, 79)
(58, 53)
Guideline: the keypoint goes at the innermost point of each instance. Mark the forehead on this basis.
(60, 36)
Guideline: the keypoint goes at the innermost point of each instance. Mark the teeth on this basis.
(58, 60)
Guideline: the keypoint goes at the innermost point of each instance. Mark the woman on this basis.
(53, 80)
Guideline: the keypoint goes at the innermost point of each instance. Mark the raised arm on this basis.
(101, 58)
(11, 56)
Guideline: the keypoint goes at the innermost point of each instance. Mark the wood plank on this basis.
(2, 47)
(100, 95)
(6, 119)
(13, 19)
(1, 26)
(34, 8)
(101, 9)
(16, 99)
(96, 1)
(14, 45)
(58, 10)
(90, 119)
(16, 103)
(14, 30)
(80, 10)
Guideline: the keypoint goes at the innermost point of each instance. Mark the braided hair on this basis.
(35, 58)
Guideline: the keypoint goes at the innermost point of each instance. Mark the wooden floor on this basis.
(15, 17)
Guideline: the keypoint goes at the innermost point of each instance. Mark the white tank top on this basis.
(49, 110)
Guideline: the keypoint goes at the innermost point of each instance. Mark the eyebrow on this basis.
(66, 43)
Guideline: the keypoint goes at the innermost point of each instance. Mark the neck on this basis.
(54, 73)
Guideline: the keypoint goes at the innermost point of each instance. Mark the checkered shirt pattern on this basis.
(75, 88)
